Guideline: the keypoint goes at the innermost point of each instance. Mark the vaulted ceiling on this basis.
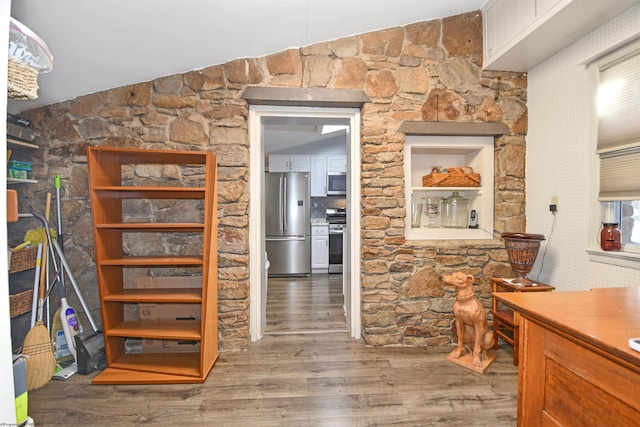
(102, 44)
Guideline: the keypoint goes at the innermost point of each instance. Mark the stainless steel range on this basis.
(337, 219)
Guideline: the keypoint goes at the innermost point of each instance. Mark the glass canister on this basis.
(455, 211)
(610, 237)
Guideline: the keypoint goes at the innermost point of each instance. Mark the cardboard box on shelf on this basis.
(170, 346)
(169, 312)
(172, 311)
(153, 311)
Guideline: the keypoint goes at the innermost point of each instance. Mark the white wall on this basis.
(559, 157)
(7, 398)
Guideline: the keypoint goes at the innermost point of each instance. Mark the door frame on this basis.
(257, 254)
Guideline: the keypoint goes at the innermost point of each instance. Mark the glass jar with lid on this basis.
(455, 211)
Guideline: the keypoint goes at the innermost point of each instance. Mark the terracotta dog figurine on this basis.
(471, 319)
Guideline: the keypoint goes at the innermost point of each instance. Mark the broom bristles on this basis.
(40, 361)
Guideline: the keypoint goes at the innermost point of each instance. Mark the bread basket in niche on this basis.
(459, 176)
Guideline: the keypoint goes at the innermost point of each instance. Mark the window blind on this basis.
(620, 175)
(619, 128)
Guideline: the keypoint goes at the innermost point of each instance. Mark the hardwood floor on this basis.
(305, 304)
(306, 371)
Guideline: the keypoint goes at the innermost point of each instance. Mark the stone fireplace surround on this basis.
(427, 71)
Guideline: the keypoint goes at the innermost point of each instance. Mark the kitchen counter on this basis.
(319, 221)
(576, 367)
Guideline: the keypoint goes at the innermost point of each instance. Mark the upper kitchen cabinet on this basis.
(284, 163)
(504, 19)
(336, 163)
(520, 34)
(318, 176)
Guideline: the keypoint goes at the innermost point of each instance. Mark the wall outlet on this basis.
(554, 201)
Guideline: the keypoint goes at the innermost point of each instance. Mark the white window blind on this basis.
(620, 175)
(619, 128)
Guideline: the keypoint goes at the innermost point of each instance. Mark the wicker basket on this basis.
(20, 303)
(435, 179)
(23, 259)
(22, 81)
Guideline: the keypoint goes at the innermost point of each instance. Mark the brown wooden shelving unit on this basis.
(110, 186)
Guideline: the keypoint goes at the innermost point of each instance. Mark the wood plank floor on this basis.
(305, 304)
(306, 371)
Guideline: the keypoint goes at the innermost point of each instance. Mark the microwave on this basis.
(336, 183)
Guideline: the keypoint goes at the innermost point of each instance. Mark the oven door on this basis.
(335, 251)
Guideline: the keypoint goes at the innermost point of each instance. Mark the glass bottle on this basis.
(610, 237)
(455, 213)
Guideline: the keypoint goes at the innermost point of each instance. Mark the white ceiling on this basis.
(103, 44)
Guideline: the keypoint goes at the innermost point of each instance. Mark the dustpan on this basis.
(90, 353)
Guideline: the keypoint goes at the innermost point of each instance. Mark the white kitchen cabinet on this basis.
(520, 34)
(320, 246)
(504, 19)
(318, 176)
(284, 163)
(336, 163)
(300, 163)
(422, 153)
(278, 163)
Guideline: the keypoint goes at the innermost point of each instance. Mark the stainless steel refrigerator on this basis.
(287, 221)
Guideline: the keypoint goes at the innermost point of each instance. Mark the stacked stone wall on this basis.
(423, 71)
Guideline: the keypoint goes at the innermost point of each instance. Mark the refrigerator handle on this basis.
(286, 239)
(280, 210)
(285, 207)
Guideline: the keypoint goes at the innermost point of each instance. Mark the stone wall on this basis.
(423, 71)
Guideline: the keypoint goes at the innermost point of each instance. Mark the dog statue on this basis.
(471, 319)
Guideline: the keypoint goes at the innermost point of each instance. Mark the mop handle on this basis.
(56, 184)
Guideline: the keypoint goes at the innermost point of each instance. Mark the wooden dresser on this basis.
(576, 368)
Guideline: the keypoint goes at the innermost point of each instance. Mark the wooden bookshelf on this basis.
(111, 183)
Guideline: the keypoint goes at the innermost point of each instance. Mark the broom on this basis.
(37, 344)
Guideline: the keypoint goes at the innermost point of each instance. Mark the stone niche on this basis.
(425, 71)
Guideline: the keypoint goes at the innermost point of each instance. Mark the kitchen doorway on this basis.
(262, 118)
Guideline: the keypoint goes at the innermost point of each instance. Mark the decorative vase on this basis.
(522, 250)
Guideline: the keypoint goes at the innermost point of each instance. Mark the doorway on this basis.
(312, 304)
(259, 117)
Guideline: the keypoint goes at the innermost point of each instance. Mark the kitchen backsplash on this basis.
(319, 205)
